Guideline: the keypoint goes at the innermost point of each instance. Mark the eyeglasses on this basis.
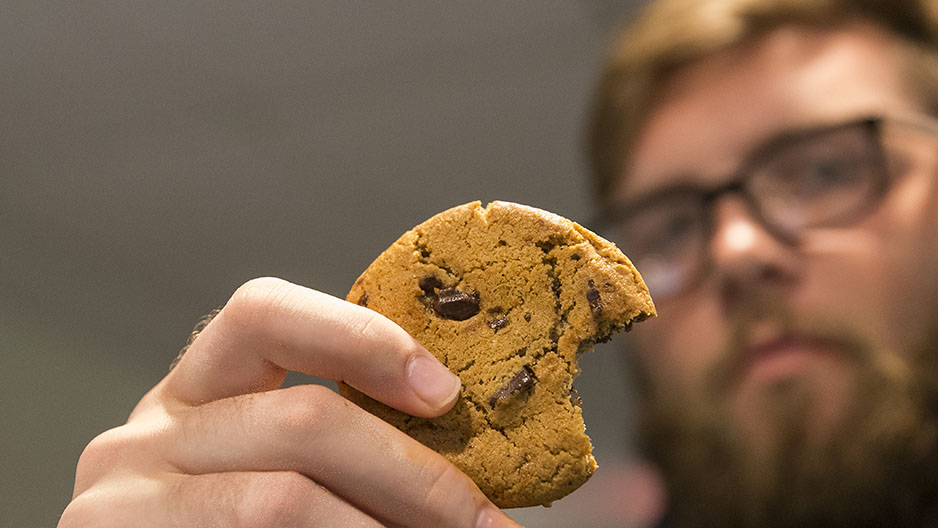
(825, 176)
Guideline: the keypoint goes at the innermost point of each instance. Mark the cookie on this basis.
(508, 297)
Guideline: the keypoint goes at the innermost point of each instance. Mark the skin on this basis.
(218, 443)
(795, 311)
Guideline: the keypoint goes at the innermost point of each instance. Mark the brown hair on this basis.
(670, 34)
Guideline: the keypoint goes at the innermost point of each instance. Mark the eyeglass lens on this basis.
(820, 178)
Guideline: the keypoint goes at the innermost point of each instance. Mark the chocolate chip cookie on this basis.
(508, 297)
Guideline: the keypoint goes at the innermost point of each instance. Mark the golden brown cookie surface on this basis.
(507, 296)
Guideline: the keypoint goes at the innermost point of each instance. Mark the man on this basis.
(771, 168)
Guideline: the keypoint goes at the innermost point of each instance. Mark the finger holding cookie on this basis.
(219, 443)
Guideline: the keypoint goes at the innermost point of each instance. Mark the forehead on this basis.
(709, 115)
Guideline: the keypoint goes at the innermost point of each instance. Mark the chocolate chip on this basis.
(527, 317)
(428, 284)
(498, 323)
(575, 256)
(592, 295)
(523, 379)
(456, 305)
(363, 300)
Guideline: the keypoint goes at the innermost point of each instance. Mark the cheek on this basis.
(861, 291)
(909, 229)
(881, 277)
(680, 345)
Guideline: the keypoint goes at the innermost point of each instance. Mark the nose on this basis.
(748, 261)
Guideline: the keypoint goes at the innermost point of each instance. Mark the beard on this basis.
(876, 465)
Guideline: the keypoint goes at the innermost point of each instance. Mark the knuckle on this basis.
(104, 451)
(96, 450)
(256, 299)
(373, 323)
(304, 411)
(375, 327)
(278, 499)
(84, 512)
(442, 481)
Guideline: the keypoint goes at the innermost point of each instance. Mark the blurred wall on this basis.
(155, 155)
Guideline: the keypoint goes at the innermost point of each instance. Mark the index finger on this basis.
(270, 326)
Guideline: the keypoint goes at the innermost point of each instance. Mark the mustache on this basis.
(847, 340)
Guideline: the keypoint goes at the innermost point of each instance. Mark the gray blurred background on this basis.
(155, 155)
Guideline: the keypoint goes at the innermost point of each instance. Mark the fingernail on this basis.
(492, 518)
(433, 382)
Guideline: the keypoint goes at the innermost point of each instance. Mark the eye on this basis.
(827, 175)
(823, 164)
(816, 187)
(663, 232)
(675, 229)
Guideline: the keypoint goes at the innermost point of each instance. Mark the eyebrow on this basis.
(683, 183)
(680, 181)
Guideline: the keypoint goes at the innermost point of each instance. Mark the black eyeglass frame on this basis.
(742, 179)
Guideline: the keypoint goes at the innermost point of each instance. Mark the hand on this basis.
(218, 443)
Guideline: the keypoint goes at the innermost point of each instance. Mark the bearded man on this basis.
(771, 167)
